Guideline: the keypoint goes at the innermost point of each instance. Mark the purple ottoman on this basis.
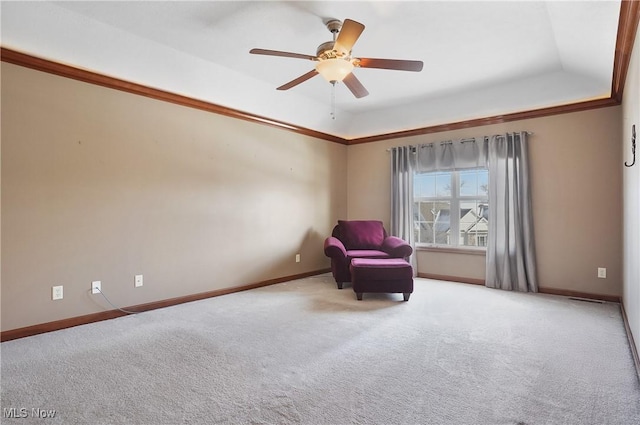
(381, 275)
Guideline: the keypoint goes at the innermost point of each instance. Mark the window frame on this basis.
(454, 200)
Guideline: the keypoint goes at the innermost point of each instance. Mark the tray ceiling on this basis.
(481, 59)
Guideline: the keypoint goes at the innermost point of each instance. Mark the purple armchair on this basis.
(360, 239)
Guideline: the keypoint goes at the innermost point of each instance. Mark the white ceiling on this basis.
(481, 59)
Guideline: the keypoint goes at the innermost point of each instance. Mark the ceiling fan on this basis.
(334, 60)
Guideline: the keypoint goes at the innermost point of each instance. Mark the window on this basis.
(437, 194)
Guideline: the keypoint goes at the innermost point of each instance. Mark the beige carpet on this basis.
(304, 352)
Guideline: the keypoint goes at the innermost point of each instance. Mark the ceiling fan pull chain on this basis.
(333, 100)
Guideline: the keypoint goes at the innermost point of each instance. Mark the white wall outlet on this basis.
(602, 272)
(297, 258)
(137, 281)
(96, 287)
(56, 293)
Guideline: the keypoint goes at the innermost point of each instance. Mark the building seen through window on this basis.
(438, 194)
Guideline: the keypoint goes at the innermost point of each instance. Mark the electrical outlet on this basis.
(56, 293)
(137, 281)
(96, 287)
(602, 272)
(297, 258)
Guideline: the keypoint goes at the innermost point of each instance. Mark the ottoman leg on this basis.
(339, 285)
(359, 296)
(406, 295)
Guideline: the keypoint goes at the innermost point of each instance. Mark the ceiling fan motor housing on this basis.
(325, 50)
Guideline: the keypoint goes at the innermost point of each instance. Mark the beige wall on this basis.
(99, 184)
(577, 202)
(631, 116)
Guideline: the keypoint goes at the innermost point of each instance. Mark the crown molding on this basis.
(627, 28)
(67, 71)
(497, 119)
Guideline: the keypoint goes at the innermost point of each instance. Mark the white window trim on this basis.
(454, 201)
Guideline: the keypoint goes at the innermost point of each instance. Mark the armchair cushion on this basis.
(366, 253)
(361, 234)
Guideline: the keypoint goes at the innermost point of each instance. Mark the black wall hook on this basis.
(633, 146)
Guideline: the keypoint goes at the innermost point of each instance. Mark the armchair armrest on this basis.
(333, 248)
(396, 247)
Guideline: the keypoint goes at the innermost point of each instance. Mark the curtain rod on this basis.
(469, 139)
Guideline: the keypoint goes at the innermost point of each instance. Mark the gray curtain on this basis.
(510, 248)
(402, 165)
(452, 155)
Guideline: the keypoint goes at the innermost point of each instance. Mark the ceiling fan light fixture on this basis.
(335, 69)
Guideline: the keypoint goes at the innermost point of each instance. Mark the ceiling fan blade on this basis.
(355, 86)
(347, 37)
(300, 79)
(400, 65)
(283, 54)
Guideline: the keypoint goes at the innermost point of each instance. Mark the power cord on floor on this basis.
(114, 306)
